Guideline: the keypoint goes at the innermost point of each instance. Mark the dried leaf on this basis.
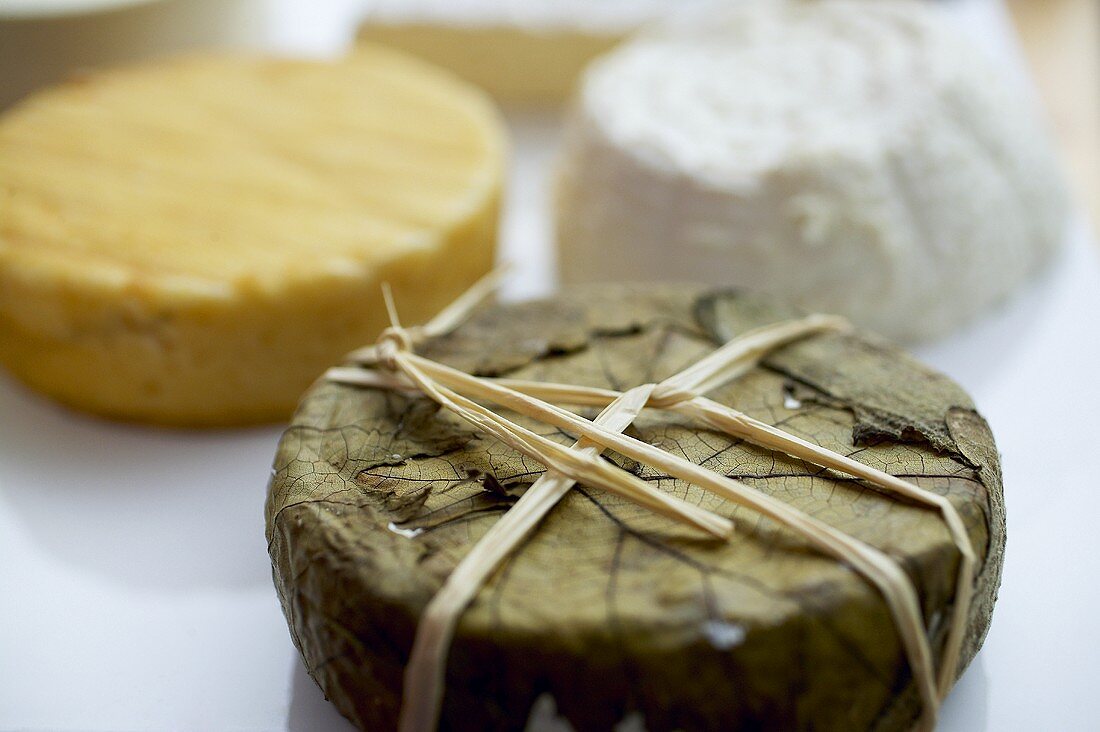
(610, 608)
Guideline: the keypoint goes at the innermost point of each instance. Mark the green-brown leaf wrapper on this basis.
(608, 609)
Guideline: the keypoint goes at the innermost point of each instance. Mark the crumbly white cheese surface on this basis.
(857, 157)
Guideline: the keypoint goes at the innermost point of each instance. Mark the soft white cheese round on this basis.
(857, 157)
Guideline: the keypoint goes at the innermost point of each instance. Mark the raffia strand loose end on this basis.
(392, 364)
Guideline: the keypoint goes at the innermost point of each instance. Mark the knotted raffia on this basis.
(394, 365)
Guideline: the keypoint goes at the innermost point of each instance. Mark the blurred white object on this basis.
(614, 16)
(42, 41)
(856, 157)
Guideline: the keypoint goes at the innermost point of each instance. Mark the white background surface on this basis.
(135, 588)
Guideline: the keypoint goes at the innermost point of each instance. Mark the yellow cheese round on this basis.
(193, 242)
(515, 65)
(524, 52)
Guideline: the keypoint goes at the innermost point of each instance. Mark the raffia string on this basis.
(394, 365)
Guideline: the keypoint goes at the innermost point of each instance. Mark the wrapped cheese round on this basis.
(194, 241)
(610, 612)
(855, 157)
(522, 51)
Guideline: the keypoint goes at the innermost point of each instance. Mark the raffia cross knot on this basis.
(403, 370)
(394, 340)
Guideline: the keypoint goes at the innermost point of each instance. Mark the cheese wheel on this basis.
(522, 51)
(194, 241)
(854, 157)
(614, 612)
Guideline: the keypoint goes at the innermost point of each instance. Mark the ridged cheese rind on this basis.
(195, 240)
